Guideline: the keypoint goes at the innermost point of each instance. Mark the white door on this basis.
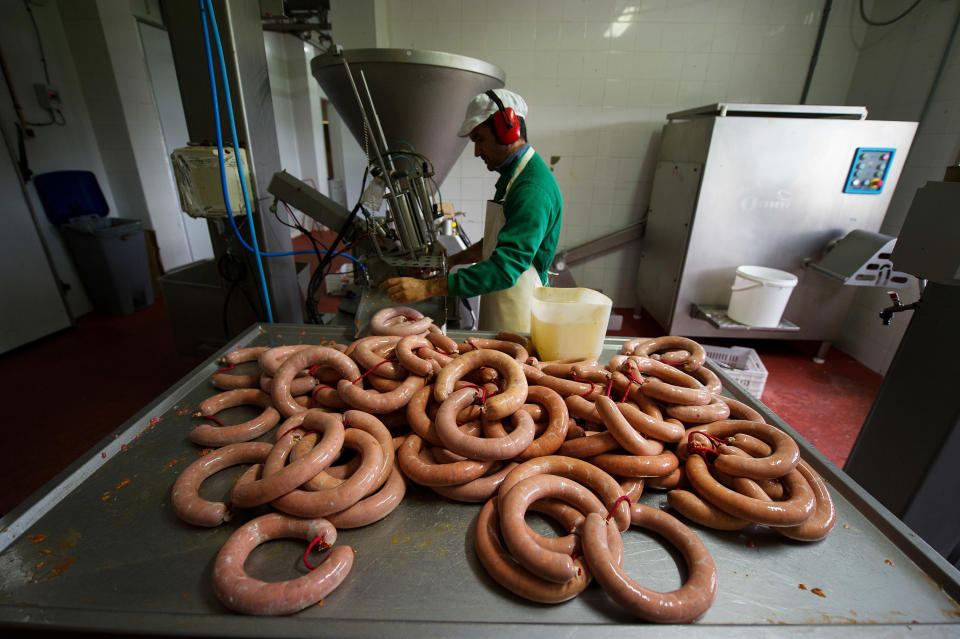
(31, 306)
(166, 94)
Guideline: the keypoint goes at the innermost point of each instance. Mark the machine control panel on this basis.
(869, 169)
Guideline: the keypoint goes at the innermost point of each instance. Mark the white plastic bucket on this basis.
(568, 322)
(759, 295)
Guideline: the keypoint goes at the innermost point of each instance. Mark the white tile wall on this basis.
(600, 77)
(908, 53)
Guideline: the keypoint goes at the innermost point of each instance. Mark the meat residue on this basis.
(121, 484)
(888, 562)
(818, 592)
(802, 587)
(36, 538)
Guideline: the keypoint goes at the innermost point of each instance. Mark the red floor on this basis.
(75, 387)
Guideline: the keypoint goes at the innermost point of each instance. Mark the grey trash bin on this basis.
(110, 254)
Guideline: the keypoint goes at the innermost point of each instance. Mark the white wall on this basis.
(894, 76)
(600, 78)
(54, 148)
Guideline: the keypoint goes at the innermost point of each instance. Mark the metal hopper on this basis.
(420, 96)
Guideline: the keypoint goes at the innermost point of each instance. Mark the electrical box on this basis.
(197, 172)
(47, 97)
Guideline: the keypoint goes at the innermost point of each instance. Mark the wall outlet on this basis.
(47, 97)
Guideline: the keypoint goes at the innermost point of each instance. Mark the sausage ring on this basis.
(185, 498)
(312, 356)
(691, 506)
(645, 348)
(279, 479)
(506, 403)
(399, 320)
(481, 448)
(375, 402)
(367, 353)
(428, 474)
(216, 436)
(478, 490)
(375, 507)
(242, 593)
(556, 430)
(622, 431)
(779, 462)
(511, 575)
(679, 606)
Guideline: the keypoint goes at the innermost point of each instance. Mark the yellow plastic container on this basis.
(568, 322)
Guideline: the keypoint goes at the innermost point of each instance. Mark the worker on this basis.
(522, 225)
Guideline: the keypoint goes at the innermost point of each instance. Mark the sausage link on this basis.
(546, 564)
(522, 340)
(582, 408)
(299, 385)
(376, 402)
(216, 436)
(739, 410)
(605, 486)
(440, 341)
(697, 510)
(479, 490)
(399, 320)
(319, 503)
(185, 498)
(709, 379)
(667, 482)
(558, 422)
(636, 465)
(712, 412)
(241, 593)
(408, 358)
(312, 356)
(564, 367)
(428, 474)
(484, 449)
(795, 510)
(514, 393)
(241, 355)
(772, 488)
(370, 423)
(589, 446)
(678, 356)
(506, 572)
(279, 479)
(621, 430)
(375, 507)
(226, 381)
(824, 517)
(674, 394)
(513, 349)
(683, 605)
(271, 359)
(647, 420)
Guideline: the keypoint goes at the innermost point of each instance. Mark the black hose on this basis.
(824, 17)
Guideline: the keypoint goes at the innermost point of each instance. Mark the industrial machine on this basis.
(766, 185)
(914, 423)
(404, 108)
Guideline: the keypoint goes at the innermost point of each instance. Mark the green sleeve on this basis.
(526, 216)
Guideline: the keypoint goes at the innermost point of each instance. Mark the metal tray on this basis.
(99, 549)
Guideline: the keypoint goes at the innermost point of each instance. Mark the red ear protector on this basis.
(506, 126)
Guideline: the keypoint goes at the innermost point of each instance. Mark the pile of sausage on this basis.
(484, 422)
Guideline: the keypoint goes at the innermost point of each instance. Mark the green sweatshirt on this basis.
(533, 211)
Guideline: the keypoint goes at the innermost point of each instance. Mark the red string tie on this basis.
(313, 395)
(483, 392)
(323, 546)
(626, 391)
(214, 420)
(617, 503)
(373, 368)
(609, 387)
(708, 454)
(671, 363)
(287, 432)
(224, 369)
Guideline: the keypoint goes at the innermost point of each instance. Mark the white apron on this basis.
(509, 309)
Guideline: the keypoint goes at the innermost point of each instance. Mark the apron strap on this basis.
(520, 167)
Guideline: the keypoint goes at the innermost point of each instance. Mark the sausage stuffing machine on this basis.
(99, 548)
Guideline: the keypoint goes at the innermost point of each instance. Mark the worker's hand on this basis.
(407, 290)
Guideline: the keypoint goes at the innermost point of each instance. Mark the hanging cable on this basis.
(204, 7)
(875, 23)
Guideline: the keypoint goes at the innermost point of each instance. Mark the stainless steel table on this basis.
(99, 548)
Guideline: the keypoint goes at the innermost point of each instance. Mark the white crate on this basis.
(741, 364)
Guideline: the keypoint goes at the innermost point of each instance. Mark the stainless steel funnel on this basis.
(420, 96)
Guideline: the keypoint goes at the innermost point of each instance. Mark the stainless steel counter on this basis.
(99, 548)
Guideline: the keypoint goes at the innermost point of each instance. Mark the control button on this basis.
(885, 156)
(878, 174)
(856, 182)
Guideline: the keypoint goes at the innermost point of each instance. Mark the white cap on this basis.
(482, 107)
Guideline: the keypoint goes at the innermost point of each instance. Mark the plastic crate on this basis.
(742, 364)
